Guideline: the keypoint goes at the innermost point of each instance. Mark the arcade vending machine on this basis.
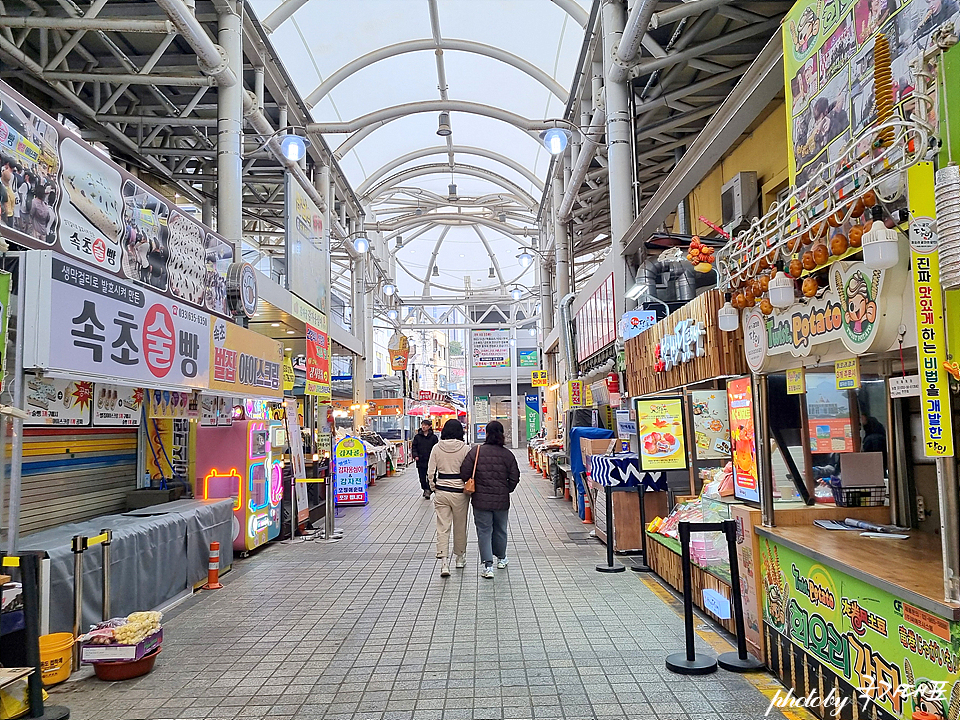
(244, 461)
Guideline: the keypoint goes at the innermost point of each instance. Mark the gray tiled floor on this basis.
(367, 630)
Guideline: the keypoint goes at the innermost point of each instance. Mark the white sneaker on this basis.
(487, 572)
(461, 561)
(501, 563)
(445, 569)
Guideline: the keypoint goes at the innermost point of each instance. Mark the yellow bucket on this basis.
(56, 655)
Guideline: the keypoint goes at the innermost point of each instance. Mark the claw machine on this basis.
(244, 461)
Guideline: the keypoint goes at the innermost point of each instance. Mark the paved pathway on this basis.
(367, 630)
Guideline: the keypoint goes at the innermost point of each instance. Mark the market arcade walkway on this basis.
(366, 629)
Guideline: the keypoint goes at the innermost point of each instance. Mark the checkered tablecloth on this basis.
(619, 470)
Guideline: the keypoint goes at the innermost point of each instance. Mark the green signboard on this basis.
(903, 658)
(532, 404)
(528, 358)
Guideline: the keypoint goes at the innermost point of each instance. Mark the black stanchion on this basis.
(641, 564)
(611, 566)
(741, 660)
(30, 577)
(688, 662)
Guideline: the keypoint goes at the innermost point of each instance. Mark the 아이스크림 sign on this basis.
(243, 362)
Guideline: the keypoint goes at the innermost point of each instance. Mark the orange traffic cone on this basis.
(587, 510)
(566, 488)
(213, 568)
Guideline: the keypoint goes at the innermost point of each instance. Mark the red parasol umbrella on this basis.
(424, 410)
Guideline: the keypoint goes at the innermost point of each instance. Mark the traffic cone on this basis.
(587, 510)
(213, 568)
(566, 488)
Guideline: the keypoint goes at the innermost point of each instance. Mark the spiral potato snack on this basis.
(882, 88)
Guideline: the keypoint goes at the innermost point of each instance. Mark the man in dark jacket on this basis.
(421, 448)
(496, 476)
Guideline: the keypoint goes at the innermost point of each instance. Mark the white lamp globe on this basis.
(293, 147)
(389, 289)
(728, 317)
(361, 244)
(525, 259)
(781, 290)
(554, 140)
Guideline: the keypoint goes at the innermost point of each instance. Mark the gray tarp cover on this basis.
(156, 554)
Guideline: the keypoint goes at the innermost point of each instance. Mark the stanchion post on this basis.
(688, 662)
(741, 660)
(78, 546)
(106, 572)
(30, 577)
(611, 566)
(643, 565)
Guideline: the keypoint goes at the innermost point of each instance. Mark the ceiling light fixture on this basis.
(443, 129)
(291, 332)
(516, 293)
(392, 314)
(492, 273)
(274, 324)
(452, 191)
(502, 217)
(555, 140)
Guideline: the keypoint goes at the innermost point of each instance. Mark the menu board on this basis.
(828, 64)
(746, 485)
(173, 405)
(660, 432)
(711, 424)
(116, 405)
(68, 196)
(53, 401)
(828, 415)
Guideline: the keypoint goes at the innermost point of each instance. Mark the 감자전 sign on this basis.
(350, 472)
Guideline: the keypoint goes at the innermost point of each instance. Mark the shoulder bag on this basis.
(470, 486)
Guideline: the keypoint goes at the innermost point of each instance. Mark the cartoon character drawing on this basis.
(929, 703)
(857, 298)
(805, 30)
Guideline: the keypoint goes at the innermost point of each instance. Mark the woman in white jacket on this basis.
(449, 500)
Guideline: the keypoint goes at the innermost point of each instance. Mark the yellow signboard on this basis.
(848, 374)
(796, 381)
(538, 378)
(288, 377)
(660, 432)
(587, 395)
(575, 397)
(931, 338)
(244, 363)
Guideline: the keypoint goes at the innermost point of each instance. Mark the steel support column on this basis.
(619, 156)
(230, 131)
(514, 392)
(561, 239)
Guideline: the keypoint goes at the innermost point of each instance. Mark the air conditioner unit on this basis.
(739, 202)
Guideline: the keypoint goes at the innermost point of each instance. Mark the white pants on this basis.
(452, 509)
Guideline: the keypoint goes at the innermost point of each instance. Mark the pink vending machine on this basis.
(244, 461)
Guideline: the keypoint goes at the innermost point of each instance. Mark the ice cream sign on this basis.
(850, 311)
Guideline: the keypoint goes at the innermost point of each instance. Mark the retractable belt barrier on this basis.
(80, 545)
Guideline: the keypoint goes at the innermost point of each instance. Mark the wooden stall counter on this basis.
(910, 569)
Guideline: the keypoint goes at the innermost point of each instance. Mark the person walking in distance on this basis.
(450, 502)
(495, 474)
(421, 448)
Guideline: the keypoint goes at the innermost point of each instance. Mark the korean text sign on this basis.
(931, 337)
(318, 363)
(862, 635)
(660, 431)
(491, 348)
(350, 472)
(91, 323)
(746, 485)
(244, 362)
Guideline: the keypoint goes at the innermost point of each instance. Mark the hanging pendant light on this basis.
(492, 273)
(880, 243)
(436, 271)
(443, 127)
(781, 288)
(452, 192)
(728, 317)
(399, 241)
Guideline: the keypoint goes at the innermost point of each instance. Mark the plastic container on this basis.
(56, 652)
(126, 669)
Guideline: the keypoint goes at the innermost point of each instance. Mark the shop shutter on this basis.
(74, 474)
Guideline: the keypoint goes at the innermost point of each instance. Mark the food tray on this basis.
(90, 653)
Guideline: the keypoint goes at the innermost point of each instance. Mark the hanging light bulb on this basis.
(294, 147)
(443, 128)
(361, 244)
(516, 293)
(728, 317)
(555, 140)
(879, 243)
(392, 314)
(399, 241)
(781, 288)
(525, 259)
(513, 342)
(389, 289)
(452, 192)
(436, 271)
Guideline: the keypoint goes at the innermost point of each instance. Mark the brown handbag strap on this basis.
(475, 458)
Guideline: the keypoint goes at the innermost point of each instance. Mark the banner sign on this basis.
(538, 378)
(318, 364)
(350, 472)
(308, 258)
(244, 363)
(660, 432)
(528, 358)
(308, 314)
(828, 67)
(52, 401)
(711, 424)
(74, 200)
(532, 403)
(931, 337)
(491, 348)
(636, 321)
(289, 377)
(746, 485)
(398, 347)
(117, 405)
(82, 321)
(575, 395)
(860, 639)
(291, 418)
(481, 409)
(595, 321)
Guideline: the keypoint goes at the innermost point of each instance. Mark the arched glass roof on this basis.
(352, 58)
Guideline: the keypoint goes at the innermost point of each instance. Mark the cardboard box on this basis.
(109, 653)
(589, 446)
